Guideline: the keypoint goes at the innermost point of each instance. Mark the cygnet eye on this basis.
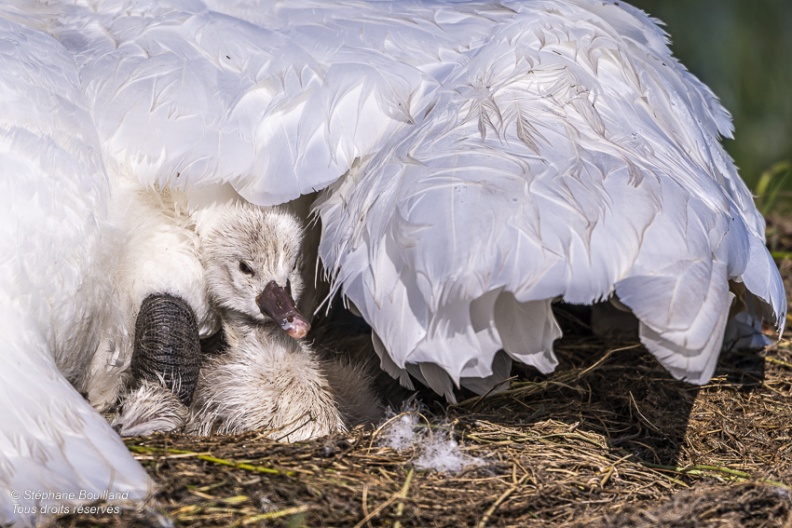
(244, 268)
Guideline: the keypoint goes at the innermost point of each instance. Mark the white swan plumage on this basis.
(54, 289)
(604, 174)
(481, 161)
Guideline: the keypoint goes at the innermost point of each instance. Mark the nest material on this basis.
(167, 347)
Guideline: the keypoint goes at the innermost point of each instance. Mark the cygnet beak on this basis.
(278, 304)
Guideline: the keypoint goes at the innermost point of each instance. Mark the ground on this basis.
(608, 440)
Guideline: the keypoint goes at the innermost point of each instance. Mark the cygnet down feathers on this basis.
(266, 377)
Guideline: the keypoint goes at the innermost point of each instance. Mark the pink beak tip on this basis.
(297, 328)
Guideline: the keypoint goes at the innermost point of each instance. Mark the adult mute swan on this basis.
(487, 159)
(481, 160)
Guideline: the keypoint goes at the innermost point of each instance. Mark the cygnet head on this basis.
(251, 256)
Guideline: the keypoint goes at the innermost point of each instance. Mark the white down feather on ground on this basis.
(482, 160)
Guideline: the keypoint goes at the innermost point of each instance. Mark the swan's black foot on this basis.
(167, 348)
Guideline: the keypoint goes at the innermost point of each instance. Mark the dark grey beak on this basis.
(277, 303)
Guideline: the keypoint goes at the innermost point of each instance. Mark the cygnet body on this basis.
(267, 377)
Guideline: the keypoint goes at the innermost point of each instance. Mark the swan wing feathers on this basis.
(186, 96)
(572, 157)
(53, 193)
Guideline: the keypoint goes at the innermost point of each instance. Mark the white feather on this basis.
(54, 290)
(564, 160)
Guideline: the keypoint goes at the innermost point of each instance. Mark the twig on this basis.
(399, 513)
(700, 469)
(364, 504)
(777, 361)
(643, 418)
(500, 500)
(209, 458)
(604, 358)
(277, 514)
(399, 495)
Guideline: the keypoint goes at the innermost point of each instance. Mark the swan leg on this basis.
(273, 383)
(167, 348)
(165, 366)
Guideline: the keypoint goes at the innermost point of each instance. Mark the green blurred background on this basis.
(742, 49)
